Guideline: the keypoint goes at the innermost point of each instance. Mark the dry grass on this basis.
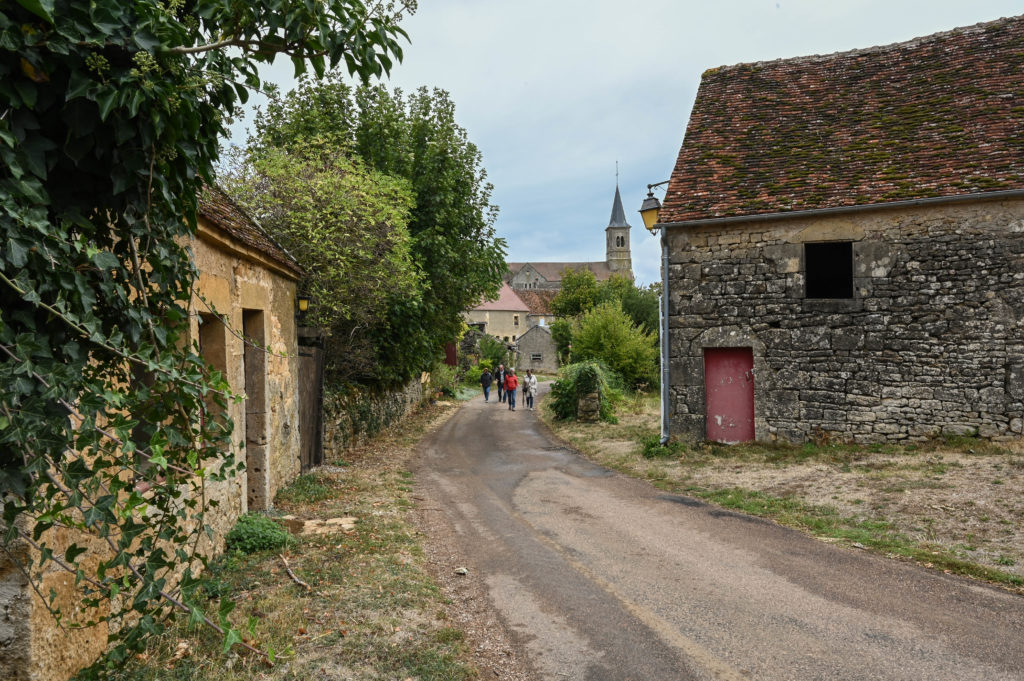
(955, 504)
(372, 611)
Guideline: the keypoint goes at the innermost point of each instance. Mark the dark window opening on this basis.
(829, 269)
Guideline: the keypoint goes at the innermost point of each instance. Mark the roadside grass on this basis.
(632, 446)
(371, 611)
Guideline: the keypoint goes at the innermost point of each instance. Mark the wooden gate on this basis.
(729, 390)
(311, 397)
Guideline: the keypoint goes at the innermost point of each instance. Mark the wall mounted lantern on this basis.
(650, 208)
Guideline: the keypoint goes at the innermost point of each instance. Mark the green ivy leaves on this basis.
(111, 114)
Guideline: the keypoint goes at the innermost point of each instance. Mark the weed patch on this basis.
(371, 610)
(306, 489)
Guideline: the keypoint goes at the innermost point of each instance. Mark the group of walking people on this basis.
(508, 383)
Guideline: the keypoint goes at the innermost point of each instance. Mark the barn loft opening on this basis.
(829, 269)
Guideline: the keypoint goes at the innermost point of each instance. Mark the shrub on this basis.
(607, 334)
(255, 532)
(445, 380)
(472, 375)
(494, 351)
(653, 449)
(583, 378)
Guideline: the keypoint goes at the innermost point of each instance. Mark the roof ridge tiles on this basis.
(874, 49)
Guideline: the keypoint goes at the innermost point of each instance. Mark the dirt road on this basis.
(601, 577)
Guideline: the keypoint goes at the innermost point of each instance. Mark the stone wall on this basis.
(254, 296)
(357, 414)
(929, 343)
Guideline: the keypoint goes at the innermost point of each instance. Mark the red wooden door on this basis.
(729, 387)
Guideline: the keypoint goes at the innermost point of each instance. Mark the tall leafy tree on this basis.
(414, 137)
(110, 118)
(347, 226)
(581, 293)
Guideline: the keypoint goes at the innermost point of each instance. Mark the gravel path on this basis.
(577, 573)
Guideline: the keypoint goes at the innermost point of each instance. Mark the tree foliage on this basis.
(608, 335)
(581, 294)
(110, 117)
(347, 226)
(414, 137)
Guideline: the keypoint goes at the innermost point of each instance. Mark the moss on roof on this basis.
(941, 115)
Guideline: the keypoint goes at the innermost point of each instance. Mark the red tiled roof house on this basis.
(846, 241)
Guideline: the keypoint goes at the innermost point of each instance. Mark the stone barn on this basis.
(846, 245)
(247, 282)
(537, 351)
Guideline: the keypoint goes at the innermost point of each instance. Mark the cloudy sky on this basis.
(555, 92)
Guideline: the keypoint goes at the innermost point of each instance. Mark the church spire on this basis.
(617, 236)
(618, 218)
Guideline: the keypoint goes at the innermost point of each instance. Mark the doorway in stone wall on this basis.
(257, 459)
(729, 391)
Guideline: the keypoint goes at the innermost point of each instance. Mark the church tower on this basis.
(617, 240)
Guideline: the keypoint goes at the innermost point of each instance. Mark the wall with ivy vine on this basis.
(355, 414)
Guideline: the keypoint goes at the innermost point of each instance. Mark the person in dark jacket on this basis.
(499, 376)
(485, 382)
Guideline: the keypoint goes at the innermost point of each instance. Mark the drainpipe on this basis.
(663, 323)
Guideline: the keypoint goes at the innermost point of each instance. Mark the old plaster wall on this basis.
(529, 278)
(260, 305)
(931, 342)
(240, 286)
(504, 324)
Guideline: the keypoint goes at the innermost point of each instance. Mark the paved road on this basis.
(605, 578)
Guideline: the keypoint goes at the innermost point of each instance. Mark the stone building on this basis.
(250, 282)
(537, 351)
(504, 318)
(846, 244)
(547, 276)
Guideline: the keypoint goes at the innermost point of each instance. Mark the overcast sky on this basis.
(554, 92)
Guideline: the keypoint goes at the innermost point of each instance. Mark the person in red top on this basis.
(511, 383)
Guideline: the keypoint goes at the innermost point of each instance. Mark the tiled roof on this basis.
(552, 271)
(218, 207)
(933, 117)
(538, 300)
(507, 301)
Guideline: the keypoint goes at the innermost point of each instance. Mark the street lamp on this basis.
(302, 302)
(650, 208)
(649, 212)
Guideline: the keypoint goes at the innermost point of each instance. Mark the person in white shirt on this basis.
(529, 389)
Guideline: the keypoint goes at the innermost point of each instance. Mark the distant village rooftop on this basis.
(939, 116)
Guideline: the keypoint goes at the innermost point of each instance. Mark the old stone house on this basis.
(846, 244)
(547, 276)
(504, 318)
(247, 285)
(536, 350)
